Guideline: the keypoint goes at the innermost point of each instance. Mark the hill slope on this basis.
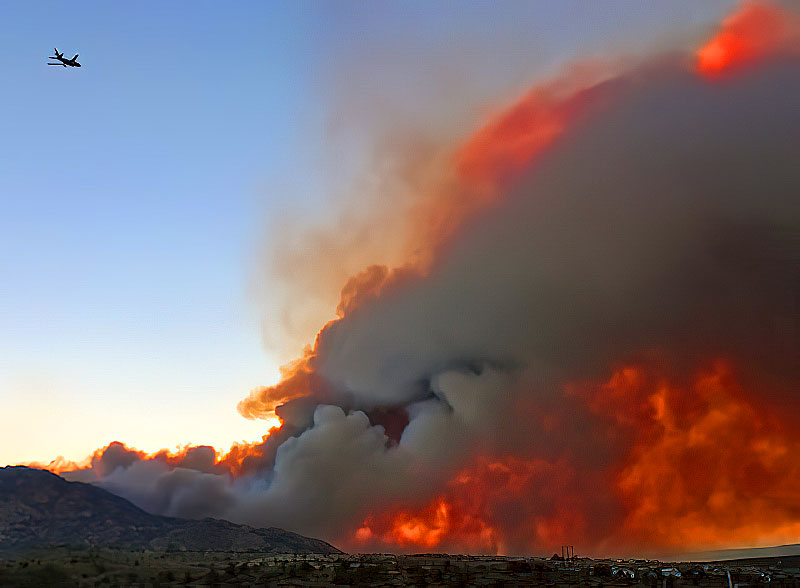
(39, 509)
(745, 553)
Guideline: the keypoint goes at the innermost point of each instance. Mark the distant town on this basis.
(148, 569)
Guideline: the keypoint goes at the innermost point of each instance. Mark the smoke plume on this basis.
(596, 343)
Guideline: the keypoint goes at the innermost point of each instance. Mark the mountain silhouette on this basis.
(40, 509)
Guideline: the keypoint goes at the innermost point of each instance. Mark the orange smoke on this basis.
(481, 168)
(512, 140)
(496, 154)
(708, 465)
(516, 136)
(469, 515)
(425, 529)
(297, 379)
(239, 459)
(757, 30)
(701, 467)
(60, 464)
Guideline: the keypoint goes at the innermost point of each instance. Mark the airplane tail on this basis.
(57, 53)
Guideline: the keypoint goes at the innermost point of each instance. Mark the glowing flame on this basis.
(700, 467)
(756, 31)
(470, 514)
(711, 467)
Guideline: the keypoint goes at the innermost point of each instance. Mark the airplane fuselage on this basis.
(64, 61)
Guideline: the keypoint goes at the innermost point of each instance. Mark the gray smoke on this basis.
(668, 223)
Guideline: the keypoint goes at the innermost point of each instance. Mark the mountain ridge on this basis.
(741, 553)
(39, 509)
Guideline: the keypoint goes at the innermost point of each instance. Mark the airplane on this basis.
(64, 61)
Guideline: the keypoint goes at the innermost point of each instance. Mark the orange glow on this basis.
(60, 465)
(699, 466)
(509, 143)
(476, 510)
(499, 152)
(239, 459)
(757, 30)
(476, 174)
(711, 467)
(516, 136)
(424, 529)
(704, 466)
(297, 379)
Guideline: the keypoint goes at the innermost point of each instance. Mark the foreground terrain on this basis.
(103, 567)
(59, 533)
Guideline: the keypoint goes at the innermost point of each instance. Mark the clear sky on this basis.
(134, 192)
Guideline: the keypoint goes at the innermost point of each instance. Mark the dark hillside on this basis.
(40, 509)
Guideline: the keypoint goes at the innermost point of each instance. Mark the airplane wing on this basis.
(74, 58)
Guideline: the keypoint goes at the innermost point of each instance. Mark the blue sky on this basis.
(134, 192)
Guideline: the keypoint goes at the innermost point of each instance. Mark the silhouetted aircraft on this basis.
(64, 61)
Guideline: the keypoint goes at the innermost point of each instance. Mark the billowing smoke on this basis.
(605, 351)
